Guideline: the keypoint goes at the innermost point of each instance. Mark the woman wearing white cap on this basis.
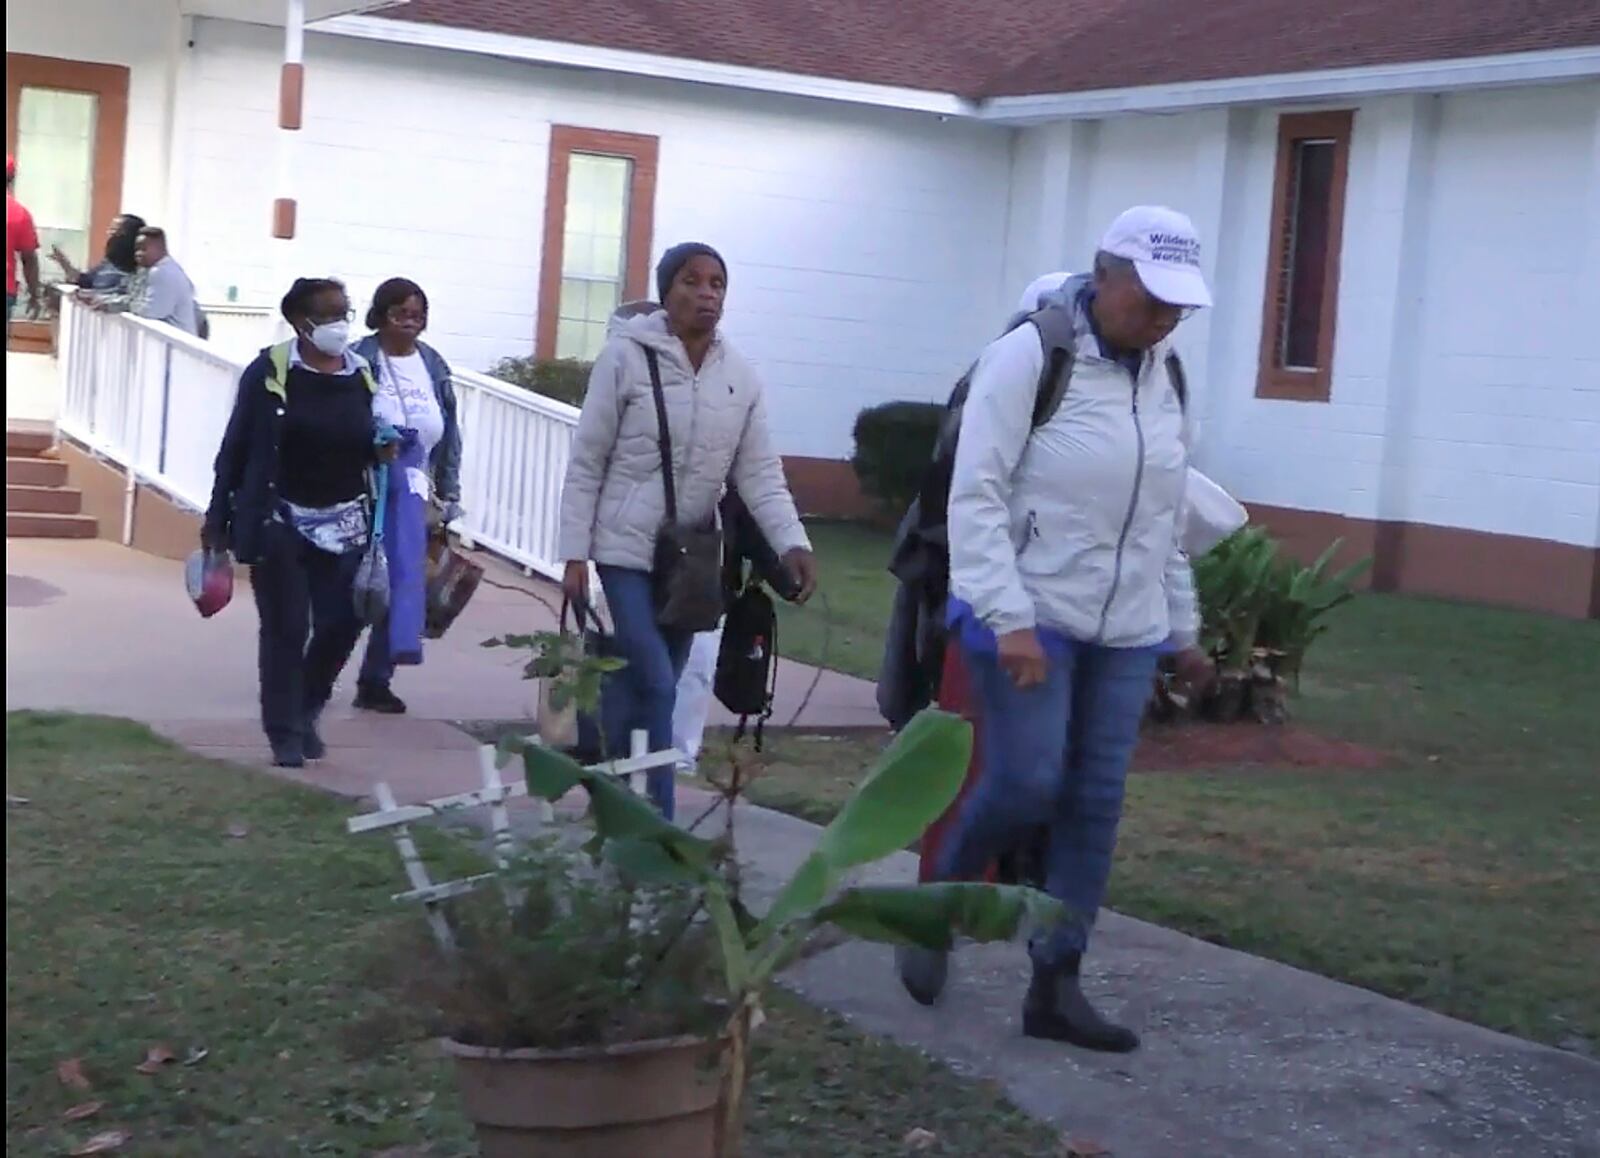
(1067, 575)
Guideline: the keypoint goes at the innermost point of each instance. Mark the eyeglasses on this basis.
(329, 319)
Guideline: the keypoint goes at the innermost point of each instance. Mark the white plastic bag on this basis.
(693, 704)
(1212, 515)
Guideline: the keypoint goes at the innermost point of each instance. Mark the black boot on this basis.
(1057, 1010)
(311, 740)
(288, 751)
(379, 698)
(922, 972)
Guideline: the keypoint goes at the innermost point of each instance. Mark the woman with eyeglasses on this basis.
(416, 397)
(292, 499)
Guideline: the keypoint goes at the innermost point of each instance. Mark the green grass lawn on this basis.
(842, 627)
(154, 898)
(1464, 876)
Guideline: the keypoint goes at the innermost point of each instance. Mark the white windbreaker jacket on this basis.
(1076, 525)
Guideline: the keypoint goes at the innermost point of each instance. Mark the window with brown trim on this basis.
(1303, 260)
(66, 125)
(598, 218)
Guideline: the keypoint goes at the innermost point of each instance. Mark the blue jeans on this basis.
(377, 665)
(1058, 751)
(642, 694)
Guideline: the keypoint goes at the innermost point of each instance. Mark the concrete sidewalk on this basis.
(1242, 1057)
(94, 627)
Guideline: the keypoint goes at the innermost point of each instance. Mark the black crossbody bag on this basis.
(687, 569)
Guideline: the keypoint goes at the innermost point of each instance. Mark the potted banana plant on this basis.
(667, 968)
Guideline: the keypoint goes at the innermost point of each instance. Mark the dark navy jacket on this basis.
(244, 497)
(445, 462)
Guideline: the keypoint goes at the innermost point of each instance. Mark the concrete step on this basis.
(28, 442)
(35, 472)
(26, 525)
(43, 500)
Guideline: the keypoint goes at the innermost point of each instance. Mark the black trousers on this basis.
(304, 597)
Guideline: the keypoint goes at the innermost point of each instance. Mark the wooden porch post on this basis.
(291, 113)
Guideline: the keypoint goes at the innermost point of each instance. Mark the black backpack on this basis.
(747, 659)
(913, 657)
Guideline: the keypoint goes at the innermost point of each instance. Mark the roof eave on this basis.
(562, 54)
(1509, 70)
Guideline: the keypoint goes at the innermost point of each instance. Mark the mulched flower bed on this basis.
(1190, 746)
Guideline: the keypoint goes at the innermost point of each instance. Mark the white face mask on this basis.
(332, 338)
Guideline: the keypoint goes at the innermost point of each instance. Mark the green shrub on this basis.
(1260, 613)
(894, 444)
(564, 379)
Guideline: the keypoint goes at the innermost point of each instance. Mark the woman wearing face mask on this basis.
(415, 396)
(111, 273)
(292, 500)
(614, 500)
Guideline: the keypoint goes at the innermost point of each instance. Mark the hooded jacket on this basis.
(613, 501)
(1075, 526)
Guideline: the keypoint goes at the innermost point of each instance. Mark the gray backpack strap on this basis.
(1179, 380)
(1058, 333)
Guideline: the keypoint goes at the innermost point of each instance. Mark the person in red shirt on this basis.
(22, 243)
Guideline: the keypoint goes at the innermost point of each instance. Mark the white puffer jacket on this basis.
(1074, 526)
(613, 501)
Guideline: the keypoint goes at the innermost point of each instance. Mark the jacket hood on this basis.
(647, 328)
(1033, 297)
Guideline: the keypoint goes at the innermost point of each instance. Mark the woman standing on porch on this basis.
(292, 500)
(614, 501)
(416, 398)
(111, 274)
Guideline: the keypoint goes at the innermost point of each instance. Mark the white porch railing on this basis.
(240, 331)
(156, 401)
(150, 398)
(516, 446)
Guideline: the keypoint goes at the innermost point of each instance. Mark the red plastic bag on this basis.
(208, 577)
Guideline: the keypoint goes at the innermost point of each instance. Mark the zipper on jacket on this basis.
(1030, 532)
(1127, 523)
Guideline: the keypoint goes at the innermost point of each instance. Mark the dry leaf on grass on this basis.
(102, 1143)
(919, 1139)
(82, 1110)
(70, 1071)
(155, 1058)
(196, 1055)
(1083, 1148)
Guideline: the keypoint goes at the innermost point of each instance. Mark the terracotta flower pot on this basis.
(623, 1101)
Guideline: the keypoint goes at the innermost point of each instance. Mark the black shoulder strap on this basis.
(1180, 380)
(664, 433)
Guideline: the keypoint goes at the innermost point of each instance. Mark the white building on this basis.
(1401, 205)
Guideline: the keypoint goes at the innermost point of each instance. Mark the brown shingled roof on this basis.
(993, 48)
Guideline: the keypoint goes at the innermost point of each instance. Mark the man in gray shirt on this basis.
(160, 290)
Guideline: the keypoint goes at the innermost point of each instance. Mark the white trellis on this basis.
(397, 819)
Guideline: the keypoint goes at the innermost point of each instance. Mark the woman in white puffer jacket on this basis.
(613, 502)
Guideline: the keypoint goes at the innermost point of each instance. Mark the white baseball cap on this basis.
(1165, 249)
